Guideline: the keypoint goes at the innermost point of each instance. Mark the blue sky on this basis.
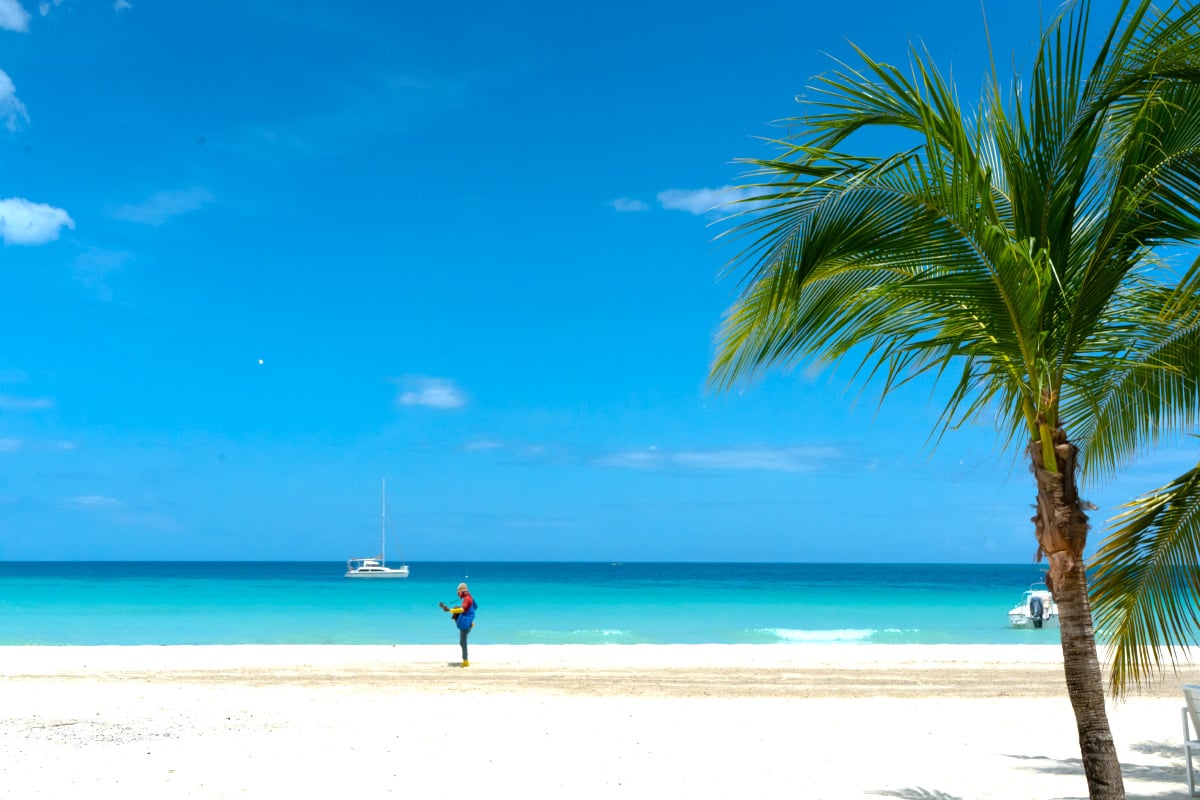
(259, 256)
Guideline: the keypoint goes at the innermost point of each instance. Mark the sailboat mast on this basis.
(383, 524)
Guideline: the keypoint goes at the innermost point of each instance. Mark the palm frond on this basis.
(1140, 379)
(1146, 591)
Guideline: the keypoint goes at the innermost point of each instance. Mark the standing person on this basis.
(464, 617)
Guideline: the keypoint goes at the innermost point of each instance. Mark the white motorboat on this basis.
(1037, 609)
(376, 566)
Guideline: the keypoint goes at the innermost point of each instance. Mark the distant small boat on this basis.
(376, 566)
(1037, 609)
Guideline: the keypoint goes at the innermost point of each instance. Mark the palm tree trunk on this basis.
(1061, 528)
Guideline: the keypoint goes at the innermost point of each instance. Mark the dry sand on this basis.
(703, 721)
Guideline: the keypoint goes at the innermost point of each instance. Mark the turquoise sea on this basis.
(126, 603)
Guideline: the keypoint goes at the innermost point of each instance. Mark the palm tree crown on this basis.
(1017, 243)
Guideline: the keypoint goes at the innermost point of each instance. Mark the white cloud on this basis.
(13, 17)
(23, 222)
(12, 110)
(703, 201)
(9, 402)
(94, 502)
(769, 459)
(10, 445)
(45, 6)
(160, 207)
(434, 393)
(628, 204)
(122, 5)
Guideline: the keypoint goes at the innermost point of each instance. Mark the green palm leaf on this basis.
(1147, 587)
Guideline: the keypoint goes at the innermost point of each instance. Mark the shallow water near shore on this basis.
(137, 603)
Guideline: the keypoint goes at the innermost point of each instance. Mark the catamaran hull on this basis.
(391, 573)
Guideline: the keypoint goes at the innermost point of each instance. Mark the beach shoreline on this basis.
(832, 721)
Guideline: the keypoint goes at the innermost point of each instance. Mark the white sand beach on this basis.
(708, 721)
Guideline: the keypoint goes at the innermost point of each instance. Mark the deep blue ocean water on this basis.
(93, 603)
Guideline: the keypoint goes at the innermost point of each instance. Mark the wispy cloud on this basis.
(11, 445)
(12, 110)
(770, 459)
(528, 452)
(628, 204)
(94, 502)
(431, 392)
(24, 222)
(11, 402)
(122, 5)
(703, 201)
(806, 458)
(94, 265)
(13, 17)
(363, 107)
(162, 206)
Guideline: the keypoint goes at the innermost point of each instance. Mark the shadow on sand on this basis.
(1171, 778)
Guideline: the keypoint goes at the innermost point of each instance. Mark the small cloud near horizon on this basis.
(13, 17)
(702, 202)
(94, 502)
(25, 222)
(432, 393)
(11, 445)
(628, 204)
(162, 206)
(11, 402)
(770, 459)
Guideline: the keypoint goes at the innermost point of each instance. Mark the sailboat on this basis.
(376, 566)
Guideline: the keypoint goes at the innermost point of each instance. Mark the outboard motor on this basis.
(1035, 610)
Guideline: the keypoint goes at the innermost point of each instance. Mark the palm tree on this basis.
(1009, 253)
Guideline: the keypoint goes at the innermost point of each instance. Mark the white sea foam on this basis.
(839, 635)
(579, 636)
